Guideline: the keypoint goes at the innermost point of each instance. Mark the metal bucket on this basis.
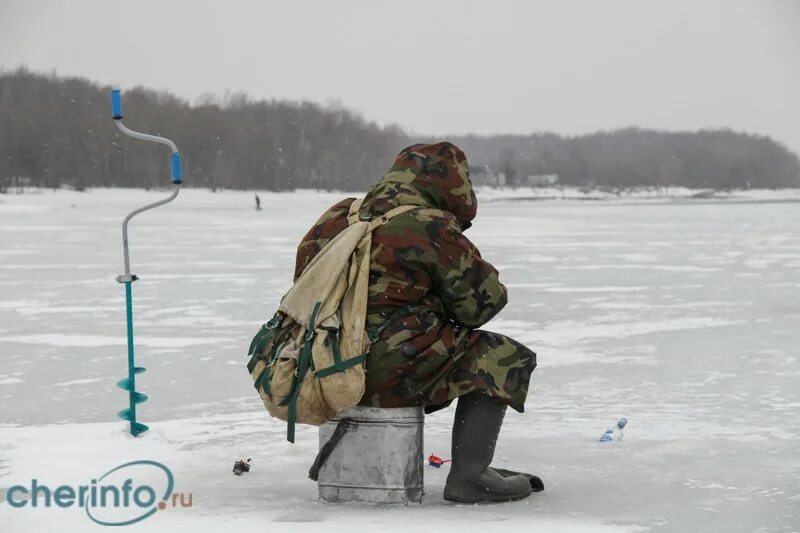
(378, 461)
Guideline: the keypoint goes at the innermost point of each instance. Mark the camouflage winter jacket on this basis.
(428, 285)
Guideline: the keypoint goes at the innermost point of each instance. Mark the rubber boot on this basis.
(475, 429)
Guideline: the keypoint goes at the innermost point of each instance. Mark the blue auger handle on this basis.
(177, 176)
(116, 104)
(116, 114)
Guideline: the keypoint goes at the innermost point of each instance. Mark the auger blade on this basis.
(125, 414)
(137, 428)
(138, 369)
(138, 397)
(125, 384)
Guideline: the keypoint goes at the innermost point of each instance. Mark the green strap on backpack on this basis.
(303, 363)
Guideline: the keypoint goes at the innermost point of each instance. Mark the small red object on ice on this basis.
(435, 460)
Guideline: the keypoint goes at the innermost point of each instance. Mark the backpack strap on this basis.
(352, 215)
(344, 425)
(386, 217)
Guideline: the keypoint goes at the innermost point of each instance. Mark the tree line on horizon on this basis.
(57, 131)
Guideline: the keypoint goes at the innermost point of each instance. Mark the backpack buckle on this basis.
(274, 322)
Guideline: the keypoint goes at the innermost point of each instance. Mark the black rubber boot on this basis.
(475, 429)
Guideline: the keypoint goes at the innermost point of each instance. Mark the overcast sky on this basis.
(443, 66)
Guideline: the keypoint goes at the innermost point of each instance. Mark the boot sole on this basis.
(484, 497)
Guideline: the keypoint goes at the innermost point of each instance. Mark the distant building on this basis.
(486, 176)
(539, 180)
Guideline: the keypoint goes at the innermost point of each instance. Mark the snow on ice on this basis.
(682, 315)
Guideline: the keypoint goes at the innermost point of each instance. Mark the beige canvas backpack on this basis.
(307, 362)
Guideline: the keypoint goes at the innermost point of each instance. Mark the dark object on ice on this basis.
(475, 429)
(258, 203)
(345, 425)
(703, 195)
(241, 466)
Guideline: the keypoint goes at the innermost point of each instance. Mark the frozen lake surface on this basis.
(682, 316)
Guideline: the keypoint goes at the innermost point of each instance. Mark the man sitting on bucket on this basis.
(428, 291)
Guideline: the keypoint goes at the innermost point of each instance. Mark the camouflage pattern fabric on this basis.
(429, 289)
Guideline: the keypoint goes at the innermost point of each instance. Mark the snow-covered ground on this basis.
(674, 194)
(683, 316)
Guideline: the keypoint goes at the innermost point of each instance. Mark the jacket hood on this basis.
(428, 175)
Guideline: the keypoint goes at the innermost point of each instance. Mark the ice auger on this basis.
(129, 383)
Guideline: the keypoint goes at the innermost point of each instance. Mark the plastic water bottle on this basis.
(614, 432)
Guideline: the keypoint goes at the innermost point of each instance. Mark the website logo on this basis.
(124, 495)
